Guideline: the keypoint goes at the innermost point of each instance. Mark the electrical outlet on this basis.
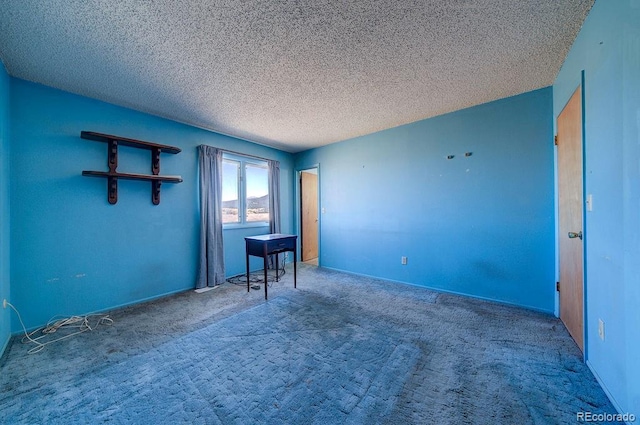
(601, 329)
(4, 303)
(403, 260)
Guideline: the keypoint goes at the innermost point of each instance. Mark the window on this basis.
(245, 190)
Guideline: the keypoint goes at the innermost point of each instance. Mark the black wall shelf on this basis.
(112, 175)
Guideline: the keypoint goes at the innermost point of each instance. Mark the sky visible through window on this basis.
(229, 185)
(257, 181)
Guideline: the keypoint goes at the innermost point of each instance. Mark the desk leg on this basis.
(277, 278)
(247, 243)
(295, 255)
(266, 261)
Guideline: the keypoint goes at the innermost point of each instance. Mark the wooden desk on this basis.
(265, 245)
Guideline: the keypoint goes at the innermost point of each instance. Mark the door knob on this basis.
(573, 235)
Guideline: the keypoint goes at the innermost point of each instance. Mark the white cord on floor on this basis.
(82, 323)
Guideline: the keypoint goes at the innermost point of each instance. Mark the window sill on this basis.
(244, 226)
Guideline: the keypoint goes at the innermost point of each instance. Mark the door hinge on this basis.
(557, 286)
(555, 140)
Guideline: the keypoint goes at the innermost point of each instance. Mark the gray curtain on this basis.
(211, 270)
(274, 196)
(274, 201)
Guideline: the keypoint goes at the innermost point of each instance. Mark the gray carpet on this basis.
(339, 349)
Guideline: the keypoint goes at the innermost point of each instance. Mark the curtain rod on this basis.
(241, 154)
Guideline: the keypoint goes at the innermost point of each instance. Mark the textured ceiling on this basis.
(292, 74)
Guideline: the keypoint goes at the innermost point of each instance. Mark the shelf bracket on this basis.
(112, 189)
(155, 161)
(155, 191)
(112, 156)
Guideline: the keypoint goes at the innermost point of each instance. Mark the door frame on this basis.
(585, 321)
(298, 208)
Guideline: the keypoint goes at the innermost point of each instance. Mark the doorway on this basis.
(570, 217)
(309, 234)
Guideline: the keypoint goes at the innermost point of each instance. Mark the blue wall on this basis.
(481, 225)
(5, 257)
(608, 50)
(72, 252)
